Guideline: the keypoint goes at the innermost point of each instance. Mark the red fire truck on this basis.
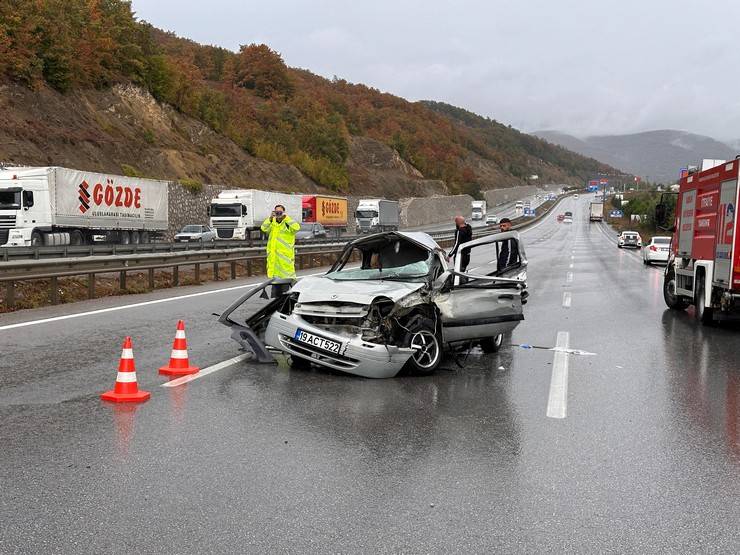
(704, 268)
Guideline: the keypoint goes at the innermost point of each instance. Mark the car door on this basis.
(487, 298)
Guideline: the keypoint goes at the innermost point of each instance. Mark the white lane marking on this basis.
(571, 266)
(557, 403)
(572, 257)
(569, 277)
(135, 305)
(566, 299)
(205, 371)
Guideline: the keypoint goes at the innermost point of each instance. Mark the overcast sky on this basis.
(579, 66)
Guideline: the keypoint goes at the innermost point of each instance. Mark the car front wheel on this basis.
(492, 344)
(423, 339)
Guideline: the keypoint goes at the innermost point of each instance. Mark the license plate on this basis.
(317, 341)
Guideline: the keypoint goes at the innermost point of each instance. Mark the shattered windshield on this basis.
(387, 257)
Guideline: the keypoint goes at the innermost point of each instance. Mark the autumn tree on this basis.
(259, 68)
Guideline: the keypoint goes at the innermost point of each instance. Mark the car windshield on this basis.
(385, 258)
(191, 229)
(367, 214)
(10, 200)
(232, 210)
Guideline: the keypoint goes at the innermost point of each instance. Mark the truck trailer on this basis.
(704, 267)
(596, 212)
(239, 213)
(331, 212)
(58, 206)
(375, 215)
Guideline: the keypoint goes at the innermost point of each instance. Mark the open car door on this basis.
(486, 300)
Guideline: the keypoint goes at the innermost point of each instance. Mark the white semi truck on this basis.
(239, 213)
(478, 208)
(376, 215)
(596, 212)
(59, 206)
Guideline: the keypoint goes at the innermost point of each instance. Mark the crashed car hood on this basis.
(320, 289)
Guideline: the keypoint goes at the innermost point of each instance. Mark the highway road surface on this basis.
(630, 445)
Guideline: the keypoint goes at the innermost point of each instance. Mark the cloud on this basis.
(583, 67)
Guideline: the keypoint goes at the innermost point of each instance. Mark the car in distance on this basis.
(630, 239)
(309, 231)
(568, 218)
(561, 217)
(575, 196)
(389, 302)
(491, 219)
(196, 234)
(658, 249)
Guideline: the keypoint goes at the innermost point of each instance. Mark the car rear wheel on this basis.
(422, 337)
(492, 344)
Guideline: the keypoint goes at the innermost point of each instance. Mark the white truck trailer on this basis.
(59, 206)
(596, 212)
(478, 208)
(375, 215)
(239, 213)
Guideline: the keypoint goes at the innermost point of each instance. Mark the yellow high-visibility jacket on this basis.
(280, 247)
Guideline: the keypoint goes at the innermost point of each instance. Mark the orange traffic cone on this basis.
(179, 364)
(126, 389)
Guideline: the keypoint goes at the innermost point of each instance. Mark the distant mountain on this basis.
(654, 155)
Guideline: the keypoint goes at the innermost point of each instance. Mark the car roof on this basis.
(419, 237)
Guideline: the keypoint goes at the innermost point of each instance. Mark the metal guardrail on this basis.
(252, 259)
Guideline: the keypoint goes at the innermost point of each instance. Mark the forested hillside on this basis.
(270, 111)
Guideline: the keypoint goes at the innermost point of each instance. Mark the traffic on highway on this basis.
(599, 392)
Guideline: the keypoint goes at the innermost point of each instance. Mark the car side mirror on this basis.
(27, 199)
(244, 210)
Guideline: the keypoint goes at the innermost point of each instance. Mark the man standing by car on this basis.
(463, 234)
(509, 253)
(280, 230)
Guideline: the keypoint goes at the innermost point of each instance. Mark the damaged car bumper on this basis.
(353, 355)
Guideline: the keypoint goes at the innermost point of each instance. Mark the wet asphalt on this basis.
(266, 459)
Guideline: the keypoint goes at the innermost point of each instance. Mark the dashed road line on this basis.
(557, 402)
(205, 371)
(566, 299)
(569, 277)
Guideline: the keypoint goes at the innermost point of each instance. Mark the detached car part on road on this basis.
(390, 302)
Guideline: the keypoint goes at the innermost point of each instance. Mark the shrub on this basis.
(192, 185)
(130, 171)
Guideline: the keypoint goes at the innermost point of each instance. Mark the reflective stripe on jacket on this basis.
(280, 247)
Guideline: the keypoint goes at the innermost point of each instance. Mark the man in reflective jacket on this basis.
(280, 229)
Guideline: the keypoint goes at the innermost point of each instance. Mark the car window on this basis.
(662, 240)
(496, 258)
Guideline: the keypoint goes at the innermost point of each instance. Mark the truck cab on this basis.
(24, 208)
(228, 216)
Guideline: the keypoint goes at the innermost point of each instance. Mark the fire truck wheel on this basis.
(672, 299)
(703, 313)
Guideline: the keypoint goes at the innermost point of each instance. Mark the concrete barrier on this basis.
(494, 197)
(417, 211)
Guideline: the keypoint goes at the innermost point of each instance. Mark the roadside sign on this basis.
(603, 181)
(616, 214)
(529, 212)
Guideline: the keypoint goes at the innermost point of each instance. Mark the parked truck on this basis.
(239, 213)
(596, 212)
(704, 266)
(478, 208)
(375, 215)
(330, 212)
(58, 206)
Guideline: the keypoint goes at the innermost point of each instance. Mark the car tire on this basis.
(422, 336)
(702, 313)
(124, 238)
(619, 246)
(144, 238)
(37, 239)
(299, 363)
(492, 344)
(76, 238)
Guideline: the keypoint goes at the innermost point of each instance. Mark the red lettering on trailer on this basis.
(128, 197)
(98, 194)
(137, 197)
(109, 195)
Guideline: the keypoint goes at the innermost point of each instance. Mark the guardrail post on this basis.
(249, 267)
(151, 279)
(90, 286)
(122, 280)
(215, 271)
(233, 269)
(54, 286)
(197, 273)
(10, 294)
(175, 275)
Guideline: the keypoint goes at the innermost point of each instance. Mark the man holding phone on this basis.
(280, 230)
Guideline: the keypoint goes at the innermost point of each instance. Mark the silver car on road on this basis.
(197, 234)
(391, 302)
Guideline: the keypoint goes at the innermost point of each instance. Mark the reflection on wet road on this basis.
(262, 458)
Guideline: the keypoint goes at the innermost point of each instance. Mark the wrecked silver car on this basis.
(391, 302)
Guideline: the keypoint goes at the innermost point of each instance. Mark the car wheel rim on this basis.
(426, 349)
(498, 340)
